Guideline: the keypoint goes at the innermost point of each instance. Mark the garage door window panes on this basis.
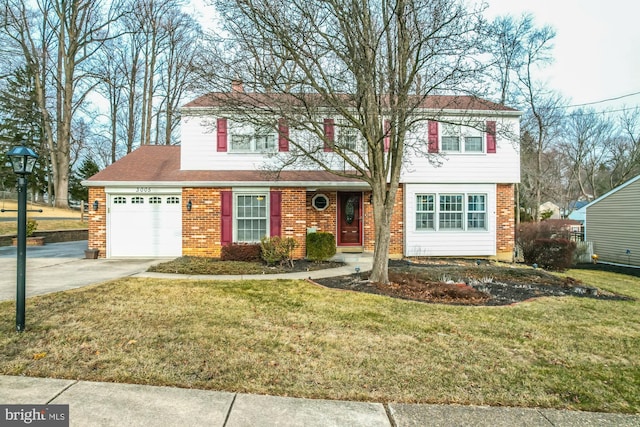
(155, 200)
(119, 200)
(173, 200)
(251, 217)
(137, 200)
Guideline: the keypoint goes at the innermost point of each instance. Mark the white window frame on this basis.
(474, 215)
(464, 135)
(237, 218)
(348, 138)
(420, 213)
(253, 138)
(449, 216)
(469, 216)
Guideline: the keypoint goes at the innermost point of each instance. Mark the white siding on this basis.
(199, 153)
(449, 243)
(500, 167)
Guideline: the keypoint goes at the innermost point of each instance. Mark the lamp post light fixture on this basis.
(22, 161)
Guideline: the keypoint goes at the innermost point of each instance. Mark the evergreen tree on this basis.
(87, 169)
(22, 124)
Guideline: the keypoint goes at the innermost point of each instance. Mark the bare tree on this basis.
(177, 67)
(543, 115)
(508, 44)
(586, 145)
(360, 61)
(57, 38)
(624, 162)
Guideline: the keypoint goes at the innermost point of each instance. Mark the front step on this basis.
(352, 258)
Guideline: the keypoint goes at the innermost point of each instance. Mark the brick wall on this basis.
(97, 221)
(505, 222)
(324, 220)
(294, 218)
(396, 244)
(201, 225)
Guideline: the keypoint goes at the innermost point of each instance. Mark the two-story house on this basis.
(216, 188)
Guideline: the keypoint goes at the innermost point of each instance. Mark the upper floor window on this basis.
(462, 139)
(349, 139)
(259, 141)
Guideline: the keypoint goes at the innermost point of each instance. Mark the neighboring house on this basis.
(577, 210)
(213, 190)
(612, 223)
(549, 207)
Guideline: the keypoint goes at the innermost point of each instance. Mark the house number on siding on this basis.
(143, 189)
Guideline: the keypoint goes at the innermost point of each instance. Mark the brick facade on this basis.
(201, 226)
(396, 244)
(294, 218)
(505, 222)
(98, 221)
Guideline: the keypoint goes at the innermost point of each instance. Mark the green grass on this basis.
(295, 338)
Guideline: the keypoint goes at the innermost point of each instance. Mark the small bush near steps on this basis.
(320, 246)
(278, 250)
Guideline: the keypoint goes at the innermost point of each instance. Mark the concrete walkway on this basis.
(109, 404)
(60, 266)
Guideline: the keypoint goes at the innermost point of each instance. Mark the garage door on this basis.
(144, 226)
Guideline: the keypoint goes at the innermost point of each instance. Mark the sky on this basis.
(596, 48)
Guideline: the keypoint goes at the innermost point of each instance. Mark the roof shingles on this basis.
(161, 163)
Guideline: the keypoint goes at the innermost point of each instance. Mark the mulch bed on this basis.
(463, 282)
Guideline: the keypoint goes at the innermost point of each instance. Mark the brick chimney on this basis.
(236, 86)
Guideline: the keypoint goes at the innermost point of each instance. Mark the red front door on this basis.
(349, 219)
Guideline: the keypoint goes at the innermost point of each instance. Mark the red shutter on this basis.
(222, 134)
(433, 136)
(283, 135)
(329, 133)
(226, 215)
(275, 209)
(387, 135)
(491, 136)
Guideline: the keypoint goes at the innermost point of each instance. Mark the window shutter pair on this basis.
(283, 135)
(432, 137)
(226, 215)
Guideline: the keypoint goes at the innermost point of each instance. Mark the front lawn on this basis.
(295, 338)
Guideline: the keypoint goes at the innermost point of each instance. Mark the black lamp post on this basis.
(22, 160)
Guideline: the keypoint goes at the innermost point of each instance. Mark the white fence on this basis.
(583, 253)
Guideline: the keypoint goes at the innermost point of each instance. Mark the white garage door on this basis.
(144, 226)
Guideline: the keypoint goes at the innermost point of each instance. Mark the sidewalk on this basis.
(109, 404)
(352, 261)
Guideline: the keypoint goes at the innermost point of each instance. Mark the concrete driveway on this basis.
(60, 266)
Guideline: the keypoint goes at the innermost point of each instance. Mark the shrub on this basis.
(32, 225)
(552, 254)
(241, 252)
(278, 250)
(320, 246)
(529, 232)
